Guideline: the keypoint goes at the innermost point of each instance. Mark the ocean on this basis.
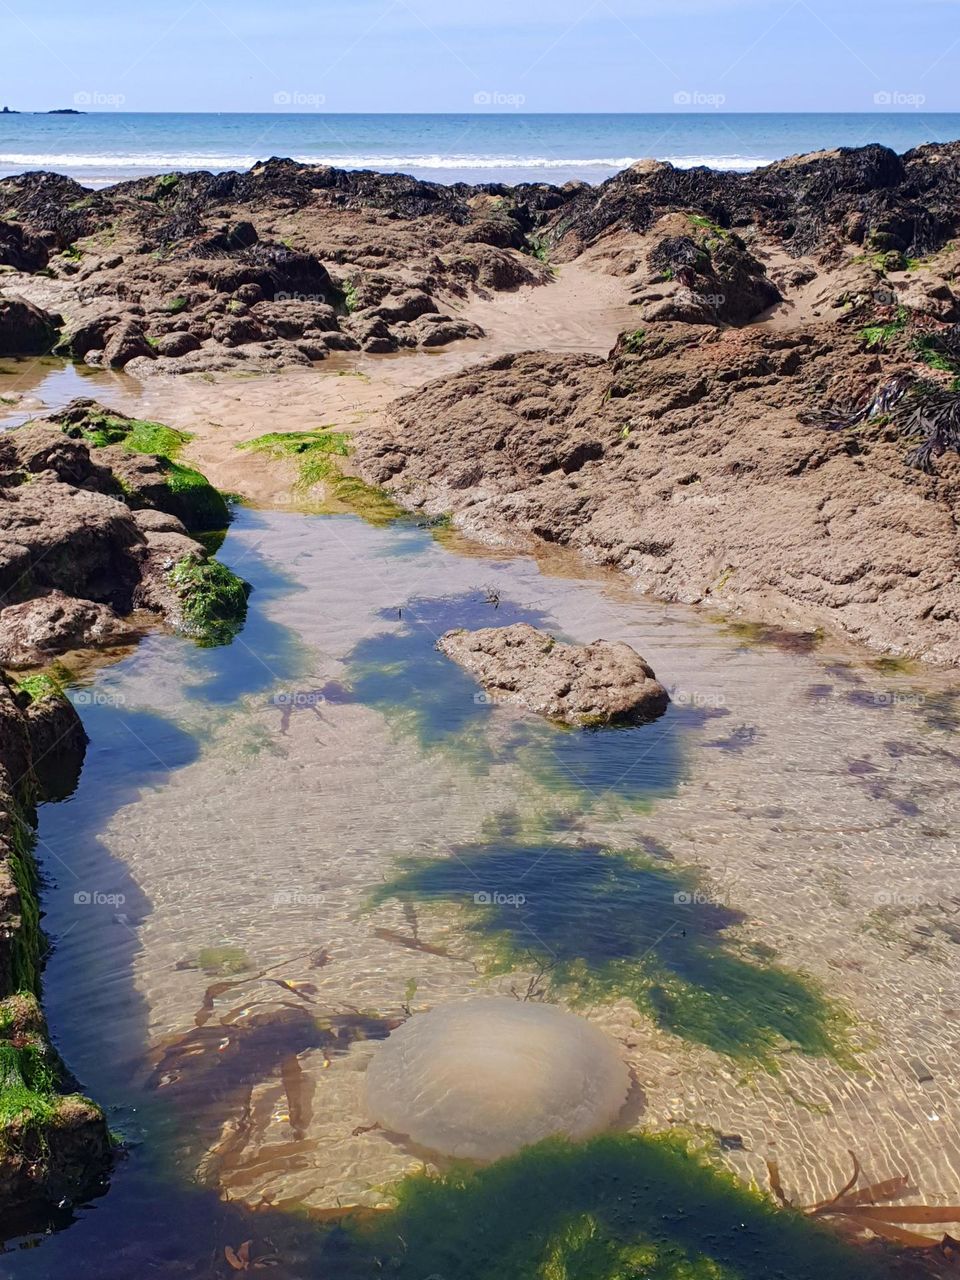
(111, 146)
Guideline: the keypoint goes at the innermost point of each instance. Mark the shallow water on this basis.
(280, 849)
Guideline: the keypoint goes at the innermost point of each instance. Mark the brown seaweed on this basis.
(863, 1209)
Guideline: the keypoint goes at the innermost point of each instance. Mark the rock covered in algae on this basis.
(606, 682)
(482, 1078)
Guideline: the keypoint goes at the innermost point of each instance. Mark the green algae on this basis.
(139, 435)
(206, 507)
(312, 450)
(27, 1083)
(213, 600)
(202, 506)
(606, 924)
(39, 685)
(27, 941)
(315, 453)
(618, 1207)
(223, 962)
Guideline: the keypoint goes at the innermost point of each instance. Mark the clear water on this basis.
(322, 802)
(279, 849)
(107, 147)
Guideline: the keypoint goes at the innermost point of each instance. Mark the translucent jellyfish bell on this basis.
(482, 1078)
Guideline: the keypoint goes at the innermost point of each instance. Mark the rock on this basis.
(237, 330)
(603, 683)
(87, 337)
(20, 250)
(33, 632)
(126, 342)
(408, 306)
(177, 344)
(60, 1153)
(26, 330)
(54, 536)
(685, 460)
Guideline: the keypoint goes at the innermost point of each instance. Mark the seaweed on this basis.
(617, 1206)
(604, 924)
(199, 504)
(213, 600)
(934, 417)
(862, 1208)
(920, 411)
(314, 452)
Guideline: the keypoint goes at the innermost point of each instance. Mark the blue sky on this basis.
(466, 55)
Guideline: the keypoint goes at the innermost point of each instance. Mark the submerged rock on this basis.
(605, 682)
(480, 1079)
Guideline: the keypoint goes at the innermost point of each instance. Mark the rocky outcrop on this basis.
(285, 263)
(55, 1146)
(590, 685)
(688, 460)
(34, 632)
(278, 266)
(92, 531)
(26, 330)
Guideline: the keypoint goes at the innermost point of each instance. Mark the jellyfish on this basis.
(481, 1078)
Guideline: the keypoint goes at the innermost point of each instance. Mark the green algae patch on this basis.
(26, 944)
(28, 1077)
(136, 434)
(312, 451)
(315, 453)
(223, 962)
(213, 600)
(204, 506)
(618, 1207)
(39, 685)
(352, 496)
(603, 925)
(193, 498)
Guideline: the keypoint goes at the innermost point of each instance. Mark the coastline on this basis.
(700, 414)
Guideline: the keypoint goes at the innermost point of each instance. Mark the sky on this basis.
(481, 55)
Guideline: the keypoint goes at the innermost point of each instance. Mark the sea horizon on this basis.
(101, 147)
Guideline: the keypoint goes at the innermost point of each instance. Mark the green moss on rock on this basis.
(213, 600)
(193, 498)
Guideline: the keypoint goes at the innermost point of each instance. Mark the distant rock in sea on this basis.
(66, 111)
